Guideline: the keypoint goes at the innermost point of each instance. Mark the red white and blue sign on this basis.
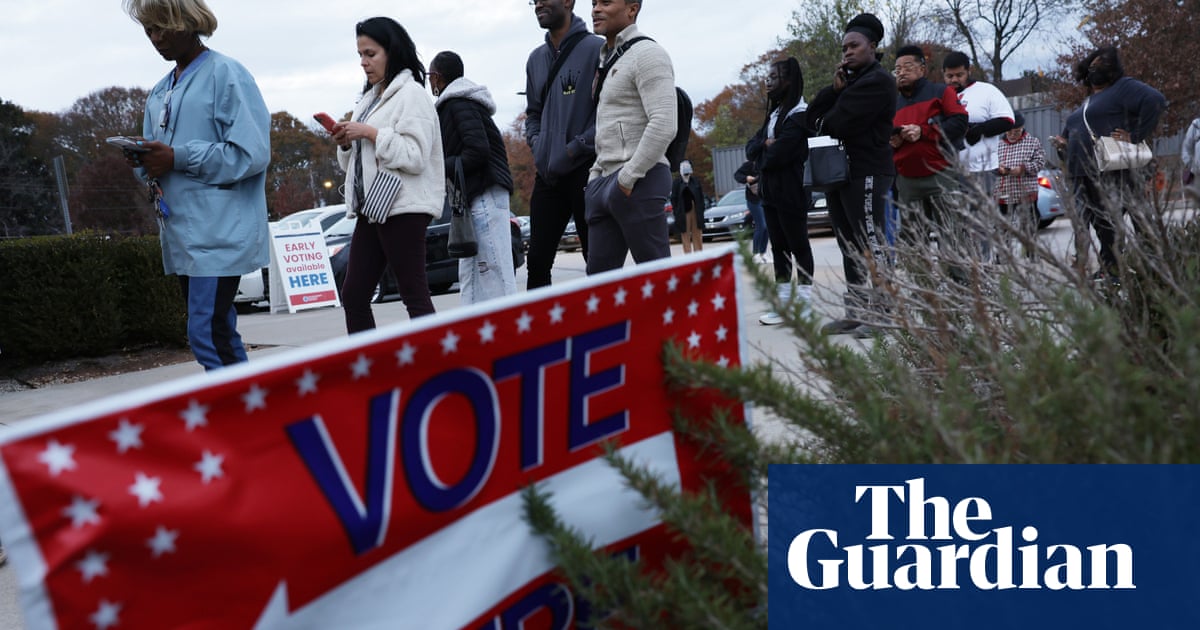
(374, 480)
(983, 547)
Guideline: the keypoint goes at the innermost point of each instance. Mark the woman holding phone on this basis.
(391, 150)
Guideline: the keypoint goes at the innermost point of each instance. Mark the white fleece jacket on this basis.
(409, 144)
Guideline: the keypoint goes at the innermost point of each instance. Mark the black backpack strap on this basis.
(563, 53)
(605, 67)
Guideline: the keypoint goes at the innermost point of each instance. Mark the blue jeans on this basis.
(759, 243)
(489, 273)
(212, 320)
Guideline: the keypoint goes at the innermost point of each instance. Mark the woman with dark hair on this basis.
(779, 150)
(391, 150)
(1125, 109)
(471, 138)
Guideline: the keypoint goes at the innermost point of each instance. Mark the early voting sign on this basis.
(374, 480)
(984, 547)
(301, 273)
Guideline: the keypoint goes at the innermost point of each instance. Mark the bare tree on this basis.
(992, 30)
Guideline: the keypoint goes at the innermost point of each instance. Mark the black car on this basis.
(441, 271)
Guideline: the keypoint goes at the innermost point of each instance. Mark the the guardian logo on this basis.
(949, 546)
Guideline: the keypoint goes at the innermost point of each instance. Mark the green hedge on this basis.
(84, 295)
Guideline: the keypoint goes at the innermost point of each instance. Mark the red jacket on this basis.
(943, 121)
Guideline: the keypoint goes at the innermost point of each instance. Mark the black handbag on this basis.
(461, 242)
(827, 167)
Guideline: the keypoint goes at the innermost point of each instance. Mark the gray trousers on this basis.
(620, 225)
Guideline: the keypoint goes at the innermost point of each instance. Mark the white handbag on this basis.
(1117, 155)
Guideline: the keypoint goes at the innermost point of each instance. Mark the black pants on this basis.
(787, 229)
(551, 206)
(398, 243)
(857, 211)
(1105, 200)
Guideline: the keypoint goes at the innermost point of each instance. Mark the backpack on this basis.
(683, 109)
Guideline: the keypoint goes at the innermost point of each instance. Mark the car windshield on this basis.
(344, 227)
(733, 198)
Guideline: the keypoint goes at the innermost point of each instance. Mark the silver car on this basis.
(1049, 206)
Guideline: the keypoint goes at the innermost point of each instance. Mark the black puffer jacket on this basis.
(781, 165)
(468, 132)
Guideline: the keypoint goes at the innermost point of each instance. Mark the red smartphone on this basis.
(326, 121)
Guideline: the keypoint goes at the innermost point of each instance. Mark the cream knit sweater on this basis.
(635, 120)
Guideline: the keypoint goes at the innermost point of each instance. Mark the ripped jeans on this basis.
(489, 273)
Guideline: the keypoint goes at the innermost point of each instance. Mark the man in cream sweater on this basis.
(635, 121)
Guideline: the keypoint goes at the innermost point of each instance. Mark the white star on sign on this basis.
(361, 367)
(146, 490)
(487, 332)
(256, 398)
(668, 316)
(593, 304)
(718, 302)
(307, 384)
(672, 284)
(647, 290)
(723, 361)
(524, 322)
(82, 512)
(698, 276)
(450, 342)
(718, 270)
(127, 436)
(556, 313)
(693, 308)
(58, 457)
(163, 541)
(406, 354)
(196, 415)
(93, 565)
(694, 340)
(619, 296)
(209, 466)
(106, 616)
(722, 333)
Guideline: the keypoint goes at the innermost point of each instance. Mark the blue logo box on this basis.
(984, 547)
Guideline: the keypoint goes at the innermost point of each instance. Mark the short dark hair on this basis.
(401, 51)
(956, 59)
(448, 64)
(911, 51)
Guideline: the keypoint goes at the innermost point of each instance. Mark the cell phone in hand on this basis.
(128, 144)
(326, 121)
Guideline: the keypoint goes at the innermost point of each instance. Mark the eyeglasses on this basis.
(907, 67)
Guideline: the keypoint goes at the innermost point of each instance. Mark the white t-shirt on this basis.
(983, 102)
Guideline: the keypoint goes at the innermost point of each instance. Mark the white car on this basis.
(254, 286)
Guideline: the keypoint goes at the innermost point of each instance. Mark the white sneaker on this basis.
(770, 318)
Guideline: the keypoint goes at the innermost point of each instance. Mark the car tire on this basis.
(1043, 224)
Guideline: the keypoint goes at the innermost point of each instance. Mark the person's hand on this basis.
(751, 180)
(1058, 142)
(895, 141)
(910, 133)
(1120, 134)
(839, 77)
(625, 191)
(158, 159)
(1188, 178)
(346, 132)
(769, 141)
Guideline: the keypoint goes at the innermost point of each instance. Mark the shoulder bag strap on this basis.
(605, 67)
(1085, 120)
(563, 53)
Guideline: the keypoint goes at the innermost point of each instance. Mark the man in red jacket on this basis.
(929, 123)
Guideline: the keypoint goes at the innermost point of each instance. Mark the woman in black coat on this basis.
(470, 138)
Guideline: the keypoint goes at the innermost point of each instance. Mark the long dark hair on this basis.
(401, 51)
(789, 70)
(1111, 59)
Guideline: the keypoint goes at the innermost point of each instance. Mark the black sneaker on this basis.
(840, 327)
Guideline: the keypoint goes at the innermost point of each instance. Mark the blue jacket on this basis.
(561, 131)
(1127, 104)
(220, 130)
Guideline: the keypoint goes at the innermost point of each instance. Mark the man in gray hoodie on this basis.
(560, 128)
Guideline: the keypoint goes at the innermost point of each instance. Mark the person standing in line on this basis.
(207, 136)
(747, 174)
(779, 150)
(391, 151)
(635, 122)
(1190, 158)
(988, 116)
(687, 203)
(1021, 157)
(1125, 109)
(470, 136)
(857, 108)
(560, 128)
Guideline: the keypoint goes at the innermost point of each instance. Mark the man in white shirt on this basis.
(988, 116)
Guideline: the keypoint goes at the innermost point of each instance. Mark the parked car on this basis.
(731, 214)
(441, 271)
(523, 223)
(255, 287)
(1049, 206)
(570, 238)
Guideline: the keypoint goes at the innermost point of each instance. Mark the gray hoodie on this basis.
(562, 130)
